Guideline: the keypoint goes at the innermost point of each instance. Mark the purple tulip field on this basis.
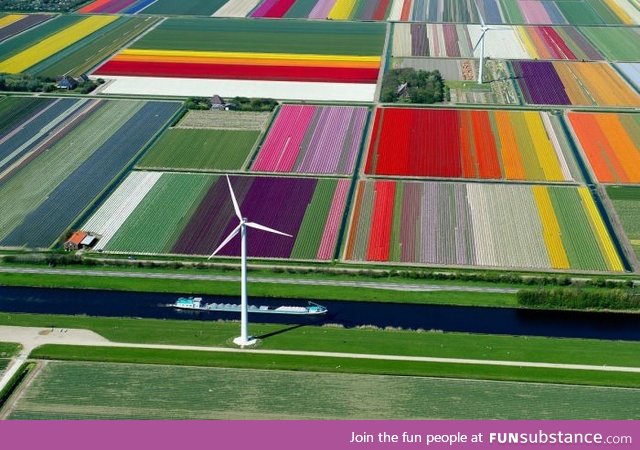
(190, 214)
(313, 139)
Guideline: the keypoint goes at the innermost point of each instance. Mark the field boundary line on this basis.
(369, 356)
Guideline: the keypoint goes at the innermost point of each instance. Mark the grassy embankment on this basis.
(448, 345)
(231, 288)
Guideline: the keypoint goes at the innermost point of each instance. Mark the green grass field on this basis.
(185, 7)
(626, 201)
(327, 338)
(277, 290)
(71, 390)
(615, 43)
(3, 364)
(8, 349)
(200, 150)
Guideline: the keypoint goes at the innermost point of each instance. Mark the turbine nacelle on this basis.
(244, 222)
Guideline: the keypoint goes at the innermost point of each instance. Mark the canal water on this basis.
(349, 314)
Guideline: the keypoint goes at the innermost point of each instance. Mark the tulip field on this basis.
(324, 9)
(532, 227)
(506, 42)
(66, 44)
(313, 139)
(182, 213)
(547, 12)
(59, 154)
(611, 143)
(269, 52)
(565, 42)
(631, 72)
(626, 201)
(513, 145)
(12, 24)
(573, 83)
(51, 45)
(182, 7)
(312, 9)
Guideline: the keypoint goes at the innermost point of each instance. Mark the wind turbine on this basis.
(244, 339)
(480, 42)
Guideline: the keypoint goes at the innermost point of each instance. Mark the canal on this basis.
(349, 314)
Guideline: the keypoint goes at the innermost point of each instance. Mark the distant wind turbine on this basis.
(480, 42)
(244, 339)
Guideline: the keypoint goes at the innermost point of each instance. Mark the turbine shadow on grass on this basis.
(284, 330)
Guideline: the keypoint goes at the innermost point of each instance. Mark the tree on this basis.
(413, 86)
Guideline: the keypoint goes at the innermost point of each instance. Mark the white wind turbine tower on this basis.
(480, 42)
(244, 339)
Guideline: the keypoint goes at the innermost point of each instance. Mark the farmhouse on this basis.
(80, 240)
(67, 82)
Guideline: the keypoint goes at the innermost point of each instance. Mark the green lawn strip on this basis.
(512, 11)
(153, 225)
(395, 244)
(347, 340)
(26, 190)
(315, 218)
(607, 15)
(615, 43)
(263, 36)
(9, 349)
(184, 7)
(269, 272)
(301, 9)
(578, 236)
(626, 201)
(278, 290)
(87, 54)
(336, 365)
(579, 13)
(201, 149)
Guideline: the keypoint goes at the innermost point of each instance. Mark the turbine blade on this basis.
(479, 14)
(257, 226)
(479, 40)
(226, 241)
(233, 198)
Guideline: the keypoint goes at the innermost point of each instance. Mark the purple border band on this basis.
(312, 435)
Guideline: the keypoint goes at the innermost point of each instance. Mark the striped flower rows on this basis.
(116, 6)
(180, 213)
(556, 12)
(58, 157)
(507, 42)
(12, 24)
(573, 83)
(113, 213)
(243, 66)
(611, 143)
(513, 145)
(53, 44)
(313, 139)
(534, 227)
